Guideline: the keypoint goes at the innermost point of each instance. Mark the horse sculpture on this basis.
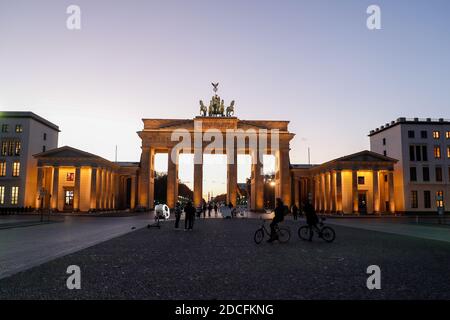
(203, 109)
(230, 109)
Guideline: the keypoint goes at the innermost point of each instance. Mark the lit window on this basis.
(437, 152)
(414, 200)
(14, 195)
(447, 135)
(10, 148)
(448, 152)
(439, 199)
(18, 148)
(19, 128)
(4, 128)
(2, 194)
(70, 176)
(16, 169)
(2, 168)
(4, 148)
(436, 134)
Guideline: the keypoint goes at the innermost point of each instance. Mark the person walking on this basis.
(177, 215)
(215, 208)
(204, 209)
(210, 207)
(295, 211)
(230, 206)
(189, 212)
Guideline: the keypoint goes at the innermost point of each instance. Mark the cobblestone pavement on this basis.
(219, 260)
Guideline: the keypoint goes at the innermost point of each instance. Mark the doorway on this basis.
(362, 202)
(68, 199)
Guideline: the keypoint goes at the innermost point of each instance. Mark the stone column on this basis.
(297, 191)
(99, 189)
(284, 175)
(39, 187)
(232, 177)
(172, 179)
(93, 196)
(133, 192)
(391, 191)
(76, 190)
(376, 192)
(355, 191)
(147, 178)
(316, 193)
(55, 188)
(333, 191)
(257, 184)
(198, 177)
(322, 193)
(327, 192)
(339, 191)
(382, 193)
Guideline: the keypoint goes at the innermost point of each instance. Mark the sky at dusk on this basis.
(314, 63)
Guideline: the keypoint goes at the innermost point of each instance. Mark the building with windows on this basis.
(22, 135)
(422, 174)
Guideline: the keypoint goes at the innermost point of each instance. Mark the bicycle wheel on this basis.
(284, 235)
(304, 232)
(328, 234)
(259, 236)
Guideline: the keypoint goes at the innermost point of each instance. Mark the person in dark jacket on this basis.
(311, 219)
(215, 209)
(204, 209)
(280, 211)
(189, 212)
(210, 207)
(177, 215)
(295, 211)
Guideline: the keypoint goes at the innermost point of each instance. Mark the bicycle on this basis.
(324, 232)
(283, 233)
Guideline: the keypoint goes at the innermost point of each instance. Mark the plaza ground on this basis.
(219, 260)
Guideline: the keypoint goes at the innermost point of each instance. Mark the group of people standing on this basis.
(191, 212)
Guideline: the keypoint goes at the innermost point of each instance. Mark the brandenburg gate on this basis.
(215, 131)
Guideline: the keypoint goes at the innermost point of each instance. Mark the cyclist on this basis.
(311, 219)
(280, 211)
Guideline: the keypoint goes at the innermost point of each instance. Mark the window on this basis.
(424, 153)
(411, 134)
(4, 128)
(18, 148)
(384, 141)
(424, 134)
(2, 168)
(448, 152)
(414, 200)
(426, 174)
(418, 153)
(10, 148)
(14, 195)
(439, 199)
(412, 174)
(427, 199)
(4, 148)
(412, 156)
(2, 194)
(16, 169)
(438, 174)
(385, 153)
(19, 128)
(436, 134)
(447, 135)
(361, 180)
(45, 136)
(43, 149)
(70, 176)
(437, 152)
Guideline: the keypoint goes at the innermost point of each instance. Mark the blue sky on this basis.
(311, 62)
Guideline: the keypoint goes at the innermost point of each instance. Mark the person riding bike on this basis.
(280, 211)
(311, 219)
